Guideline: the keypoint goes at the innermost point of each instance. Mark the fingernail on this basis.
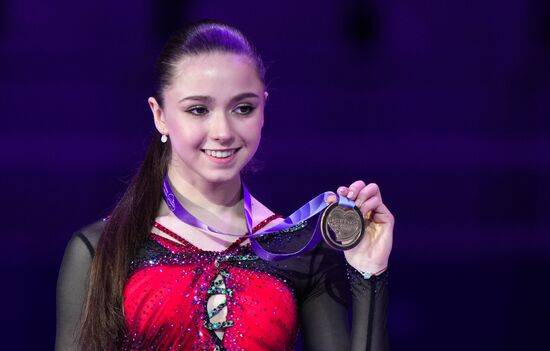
(350, 194)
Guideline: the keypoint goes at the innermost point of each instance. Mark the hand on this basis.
(373, 251)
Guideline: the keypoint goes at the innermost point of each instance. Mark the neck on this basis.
(216, 197)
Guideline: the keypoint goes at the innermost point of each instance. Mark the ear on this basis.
(266, 94)
(158, 115)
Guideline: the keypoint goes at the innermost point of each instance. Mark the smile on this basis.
(220, 153)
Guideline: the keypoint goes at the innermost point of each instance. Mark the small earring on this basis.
(164, 138)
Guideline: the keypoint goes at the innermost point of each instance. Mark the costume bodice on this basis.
(167, 295)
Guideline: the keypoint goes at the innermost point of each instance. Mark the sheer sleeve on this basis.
(324, 308)
(370, 311)
(72, 285)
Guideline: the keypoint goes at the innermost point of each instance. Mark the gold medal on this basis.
(342, 227)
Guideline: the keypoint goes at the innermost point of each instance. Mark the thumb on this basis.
(331, 199)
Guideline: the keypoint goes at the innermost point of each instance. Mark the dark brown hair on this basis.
(131, 220)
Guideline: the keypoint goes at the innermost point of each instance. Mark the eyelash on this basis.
(193, 110)
(249, 107)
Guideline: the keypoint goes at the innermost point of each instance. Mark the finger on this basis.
(354, 189)
(382, 215)
(343, 190)
(371, 205)
(367, 192)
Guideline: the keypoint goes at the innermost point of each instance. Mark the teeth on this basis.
(220, 154)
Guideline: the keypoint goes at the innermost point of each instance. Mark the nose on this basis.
(221, 129)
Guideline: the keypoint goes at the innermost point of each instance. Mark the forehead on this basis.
(215, 72)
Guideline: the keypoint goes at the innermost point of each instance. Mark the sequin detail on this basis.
(167, 293)
(216, 310)
(294, 228)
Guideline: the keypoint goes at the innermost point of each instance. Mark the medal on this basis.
(342, 227)
(341, 224)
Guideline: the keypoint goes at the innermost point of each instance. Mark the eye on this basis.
(244, 109)
(197, 110)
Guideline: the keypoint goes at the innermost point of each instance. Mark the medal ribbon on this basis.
(310, 209)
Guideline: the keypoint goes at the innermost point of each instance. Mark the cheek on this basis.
(254, 130)
(252, 136)
(185, 134)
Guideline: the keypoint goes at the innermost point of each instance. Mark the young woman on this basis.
(147, 279)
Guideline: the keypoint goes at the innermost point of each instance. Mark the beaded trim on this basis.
(216, 309)
(232, 258)
(263, 223)
(181, 242)
(294, 228)
(215, 290)
(218, 325)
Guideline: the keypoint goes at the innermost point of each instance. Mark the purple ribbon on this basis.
(310, 209)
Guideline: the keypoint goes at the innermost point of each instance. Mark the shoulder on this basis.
(79, 253)
(81, 247)
(87, 237)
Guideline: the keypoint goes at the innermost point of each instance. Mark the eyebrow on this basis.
(209, 99)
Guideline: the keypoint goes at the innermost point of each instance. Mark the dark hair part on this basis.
(129, 225)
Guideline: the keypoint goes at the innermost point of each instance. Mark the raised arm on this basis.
(366, 265)
(325, 310)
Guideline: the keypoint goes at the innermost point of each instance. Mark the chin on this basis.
(221, 178)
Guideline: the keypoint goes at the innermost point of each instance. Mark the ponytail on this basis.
(125, 232)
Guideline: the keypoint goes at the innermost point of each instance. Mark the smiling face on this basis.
(213, 113)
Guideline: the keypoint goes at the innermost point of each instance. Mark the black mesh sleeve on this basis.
(324, 307)
(370, 310)
(72, 285)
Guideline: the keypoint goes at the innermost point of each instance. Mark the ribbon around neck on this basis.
(310, 209)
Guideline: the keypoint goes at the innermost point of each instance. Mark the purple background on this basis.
(445, 104)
